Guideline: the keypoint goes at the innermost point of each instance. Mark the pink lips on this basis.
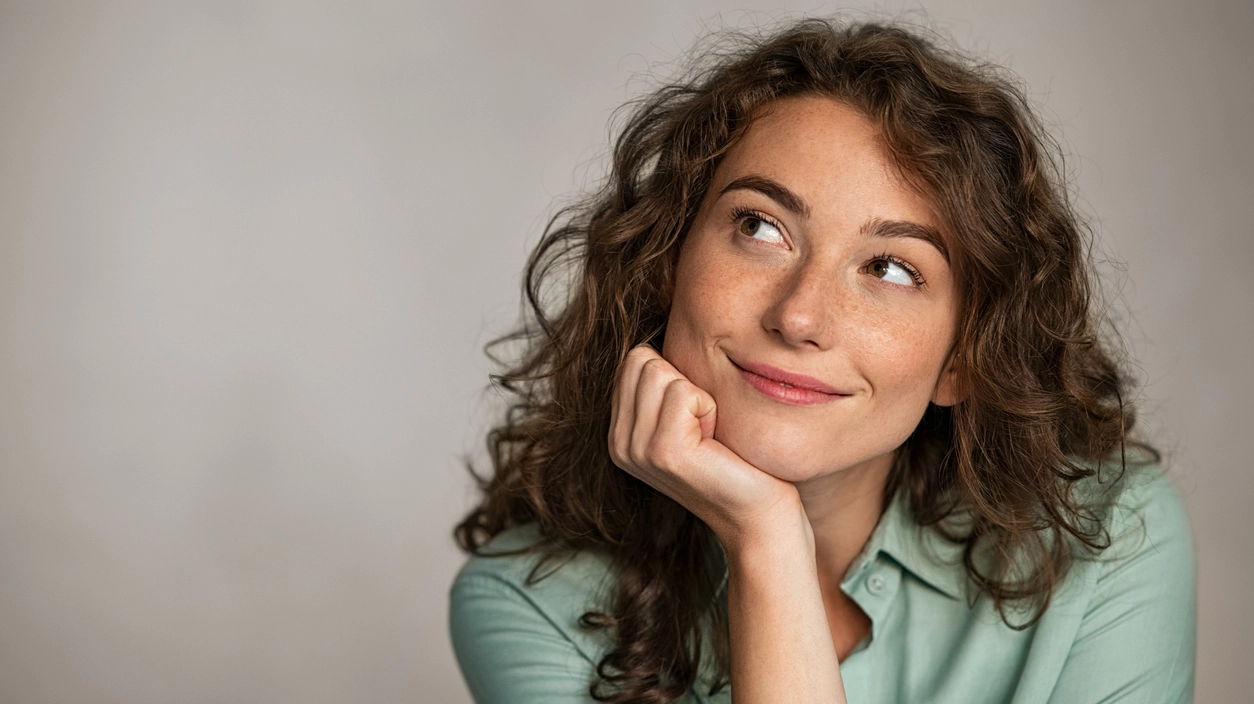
(788, 387)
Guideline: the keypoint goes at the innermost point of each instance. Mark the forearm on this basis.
(781, 647)
(662, 432)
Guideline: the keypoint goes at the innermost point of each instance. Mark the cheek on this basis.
(897, 361)
(707, 306)
(901, 353)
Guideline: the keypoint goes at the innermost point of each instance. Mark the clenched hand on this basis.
(662, 432)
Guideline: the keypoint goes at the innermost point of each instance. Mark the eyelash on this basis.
(914, 273)
(740, 213)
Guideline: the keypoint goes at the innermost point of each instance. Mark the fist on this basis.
(662, 432)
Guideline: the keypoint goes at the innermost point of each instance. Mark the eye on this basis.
(755, 225)
(894, 270)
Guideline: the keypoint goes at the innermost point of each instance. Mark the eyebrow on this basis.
(771, 189)
(905, 228)
(777, 192)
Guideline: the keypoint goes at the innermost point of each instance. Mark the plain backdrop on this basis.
(250, 253)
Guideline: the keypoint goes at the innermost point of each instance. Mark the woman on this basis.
(822, 415)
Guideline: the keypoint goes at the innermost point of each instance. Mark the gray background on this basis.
(250, 252)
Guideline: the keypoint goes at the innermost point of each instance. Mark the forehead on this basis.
(830, 155)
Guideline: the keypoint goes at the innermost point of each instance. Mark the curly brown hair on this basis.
(1045, 399)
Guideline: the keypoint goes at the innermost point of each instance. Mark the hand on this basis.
(662, 432)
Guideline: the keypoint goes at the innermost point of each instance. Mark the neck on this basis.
(843, 509)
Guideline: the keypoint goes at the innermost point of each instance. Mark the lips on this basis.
(788, 387)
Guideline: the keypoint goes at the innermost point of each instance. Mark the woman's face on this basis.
(813, 299)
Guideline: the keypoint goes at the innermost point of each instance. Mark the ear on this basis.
(948, 391)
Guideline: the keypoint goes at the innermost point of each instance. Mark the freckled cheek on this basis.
(707, 307)
(716, 310)
(899, 353)
(715, 296)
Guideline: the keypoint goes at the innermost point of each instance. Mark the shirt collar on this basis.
(920, 550)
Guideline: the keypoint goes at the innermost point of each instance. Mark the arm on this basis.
(662, 432)
(781, 649)
(1137, 640)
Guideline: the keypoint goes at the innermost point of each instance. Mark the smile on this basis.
(786, 387)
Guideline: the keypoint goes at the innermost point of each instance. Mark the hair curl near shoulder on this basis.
(1044, 406)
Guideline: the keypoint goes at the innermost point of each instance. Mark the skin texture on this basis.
(808, 303)
(823, 284)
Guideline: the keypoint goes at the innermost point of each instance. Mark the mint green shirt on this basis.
(1121, 627)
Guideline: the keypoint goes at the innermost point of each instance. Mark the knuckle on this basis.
(642, 454)
(623, 461)
(651, 365)
(631, 450)
(660, 453)
(657, 370)
(678, 391)
(640, 352)
(679, 387)
(618, 446)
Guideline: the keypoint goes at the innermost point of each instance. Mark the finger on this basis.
(622, 406)
(655, 375)
(685, 418)
(707, 477)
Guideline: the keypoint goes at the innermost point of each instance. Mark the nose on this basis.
(802, 313)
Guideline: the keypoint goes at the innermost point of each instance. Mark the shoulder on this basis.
(1136, 632)
(503, 589)
(1150, 568)
(1147, 522)
(516, 559)
(1147, 536)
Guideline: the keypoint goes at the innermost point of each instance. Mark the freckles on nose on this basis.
(807, 311)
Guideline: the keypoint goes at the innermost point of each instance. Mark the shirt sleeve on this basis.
(1137, 639)
(508, 648)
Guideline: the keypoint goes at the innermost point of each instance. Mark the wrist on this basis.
(781, 531)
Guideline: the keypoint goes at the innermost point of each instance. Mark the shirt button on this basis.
(876, 583)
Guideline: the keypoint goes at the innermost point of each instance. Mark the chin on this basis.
(783, 455)
(801, 449)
